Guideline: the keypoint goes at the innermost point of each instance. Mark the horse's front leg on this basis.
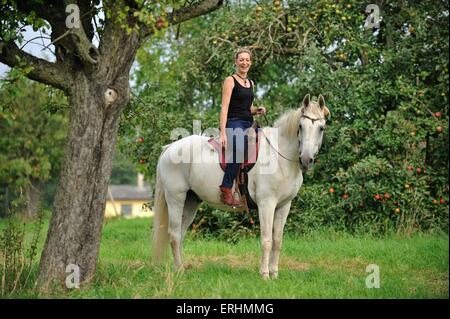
(281, 214)
(266, 212)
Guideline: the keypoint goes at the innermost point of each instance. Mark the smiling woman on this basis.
(236, 117)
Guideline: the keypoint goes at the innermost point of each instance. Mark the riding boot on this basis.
(226, 196)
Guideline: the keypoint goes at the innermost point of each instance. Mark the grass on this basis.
(320, 265)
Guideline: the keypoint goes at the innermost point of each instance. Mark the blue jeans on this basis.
(237, 140)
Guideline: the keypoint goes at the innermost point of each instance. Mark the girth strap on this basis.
(242, 182)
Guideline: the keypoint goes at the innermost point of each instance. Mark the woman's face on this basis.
(243, 62)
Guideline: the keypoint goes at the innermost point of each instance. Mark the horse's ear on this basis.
(322, 105)
(306, 101)
(326, 111)
(321, 101)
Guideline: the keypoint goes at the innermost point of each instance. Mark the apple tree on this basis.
(386, 85)
(96, 81)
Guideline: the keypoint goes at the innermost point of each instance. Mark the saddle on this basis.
(250, 158)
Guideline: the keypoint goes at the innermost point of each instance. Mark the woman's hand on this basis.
(261, 110)
(223, 139)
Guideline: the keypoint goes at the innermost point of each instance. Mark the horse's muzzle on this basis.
(302, 167)
(306, 162)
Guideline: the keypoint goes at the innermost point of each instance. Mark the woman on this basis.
(236, 117)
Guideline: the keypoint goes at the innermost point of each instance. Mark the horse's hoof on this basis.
(274, 275)
(179, 270)
(265, 276)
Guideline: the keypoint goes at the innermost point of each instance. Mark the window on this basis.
(126, 210)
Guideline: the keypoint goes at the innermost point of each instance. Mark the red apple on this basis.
(345, 196)
(142, 161)
(442, 201)
(418, 170)
(387, 196)
(409, 168)
(438, 114)
(377, 196)
(435, 201)
(140, 139)
(160, 23)
(331, 190)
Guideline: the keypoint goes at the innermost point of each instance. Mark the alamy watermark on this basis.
(373, 280)
(73, 277)
(373, 19)
(73, 18)
(243, 142)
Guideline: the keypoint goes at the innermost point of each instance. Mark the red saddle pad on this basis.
(253, 149)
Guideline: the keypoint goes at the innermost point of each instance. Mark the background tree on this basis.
(384, 162)
(33, 126)
(96, 80)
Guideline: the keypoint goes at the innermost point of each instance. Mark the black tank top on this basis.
(240, 102)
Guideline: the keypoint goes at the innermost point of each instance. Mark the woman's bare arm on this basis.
(227, 89)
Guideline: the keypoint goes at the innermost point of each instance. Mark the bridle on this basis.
(268, 141)
(310, 118)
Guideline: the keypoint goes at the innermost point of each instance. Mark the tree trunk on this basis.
(76, 223)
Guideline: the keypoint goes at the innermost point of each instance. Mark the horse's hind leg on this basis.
(189, 211)
(175, 205)
(277, 238)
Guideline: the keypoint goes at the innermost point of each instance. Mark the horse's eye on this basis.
(322, 128)
(300, 127)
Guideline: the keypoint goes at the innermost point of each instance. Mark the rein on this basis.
(262, 131)
(267, 121)
(268, 141)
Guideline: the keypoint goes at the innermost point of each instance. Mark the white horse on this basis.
(286, 150)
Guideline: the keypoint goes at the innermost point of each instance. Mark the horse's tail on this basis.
(160, 222)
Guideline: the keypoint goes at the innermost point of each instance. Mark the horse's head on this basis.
(311, 129)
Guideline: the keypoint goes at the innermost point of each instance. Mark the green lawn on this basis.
(321, 265)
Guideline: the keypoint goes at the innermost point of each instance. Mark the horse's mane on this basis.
(288, 122)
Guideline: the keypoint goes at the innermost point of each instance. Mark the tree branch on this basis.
(42, 71)
(194, 10)
(183, 14)
(83, 46)
(79, 40)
